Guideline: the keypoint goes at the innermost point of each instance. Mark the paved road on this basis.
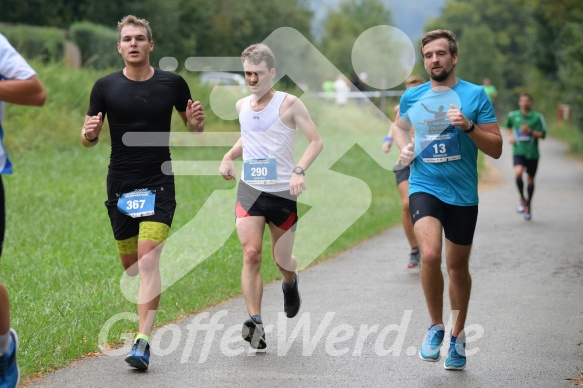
(364, 315)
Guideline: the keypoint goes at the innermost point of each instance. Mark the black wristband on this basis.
(90, 140)
(471, 128)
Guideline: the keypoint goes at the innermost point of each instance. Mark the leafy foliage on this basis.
(44, 43)
(97, 44)
(343, 27)
(497, 45)
(181, 28)
(558, 48)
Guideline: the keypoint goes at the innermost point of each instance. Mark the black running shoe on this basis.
(253, 333)
(291, 298)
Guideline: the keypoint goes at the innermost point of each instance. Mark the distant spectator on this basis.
(359, 81)
(490, 90)
(328, 89)
(303, 84)
(341, 89)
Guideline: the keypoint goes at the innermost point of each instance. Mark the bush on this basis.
(44, 43)
(98, 45)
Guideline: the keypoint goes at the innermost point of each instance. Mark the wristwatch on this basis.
(471, 128)
(298, 170)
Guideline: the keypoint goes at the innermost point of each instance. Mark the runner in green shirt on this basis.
(524, 127)
(490, 90)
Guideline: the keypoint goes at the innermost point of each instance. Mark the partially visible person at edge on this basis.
(443, 186)
(490, 89)
(20, 85)
(270, 183)
(402, 178)
(139, 100)
(524, 128)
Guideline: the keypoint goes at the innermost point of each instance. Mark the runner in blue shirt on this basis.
(443, 184)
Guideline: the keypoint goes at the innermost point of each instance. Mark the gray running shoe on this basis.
(527, 214)
(253, 333)
(521, 206)
(414, 259)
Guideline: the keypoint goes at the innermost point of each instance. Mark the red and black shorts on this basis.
(280, 208)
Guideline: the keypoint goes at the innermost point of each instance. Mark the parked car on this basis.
(223, 78)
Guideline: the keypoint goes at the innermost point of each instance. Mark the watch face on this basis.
(298, 170)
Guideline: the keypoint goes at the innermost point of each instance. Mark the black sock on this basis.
(520, 185)
(530, 190)
(257, 319)
(415, 250)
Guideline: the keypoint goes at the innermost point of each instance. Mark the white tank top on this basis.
(265, 136)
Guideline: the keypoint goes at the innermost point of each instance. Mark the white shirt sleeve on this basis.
(12, 64)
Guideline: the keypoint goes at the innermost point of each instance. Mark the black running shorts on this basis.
(458, 222)
(125, 226)
(401, 173)
(531, 165)
(280, 208)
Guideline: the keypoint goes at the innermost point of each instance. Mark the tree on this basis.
(508, 25)
(474, 65)
(342, 28)
(558, 48)
(182, 28)
(226, 27)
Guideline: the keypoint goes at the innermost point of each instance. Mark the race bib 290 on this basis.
(260, 171)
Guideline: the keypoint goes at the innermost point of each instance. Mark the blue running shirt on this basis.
(445, 163)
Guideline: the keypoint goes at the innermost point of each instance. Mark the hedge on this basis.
(44, 43)
(98, 45)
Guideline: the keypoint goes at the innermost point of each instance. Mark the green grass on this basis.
(60, 262)
(568, 133)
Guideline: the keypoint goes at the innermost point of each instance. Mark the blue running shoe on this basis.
(430, 349)
(456, 356)
(9, 372)
(139, 357)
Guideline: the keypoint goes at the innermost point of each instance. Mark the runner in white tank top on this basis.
(265, 136)
(270, 183)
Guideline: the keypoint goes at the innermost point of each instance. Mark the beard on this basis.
(441, 76)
